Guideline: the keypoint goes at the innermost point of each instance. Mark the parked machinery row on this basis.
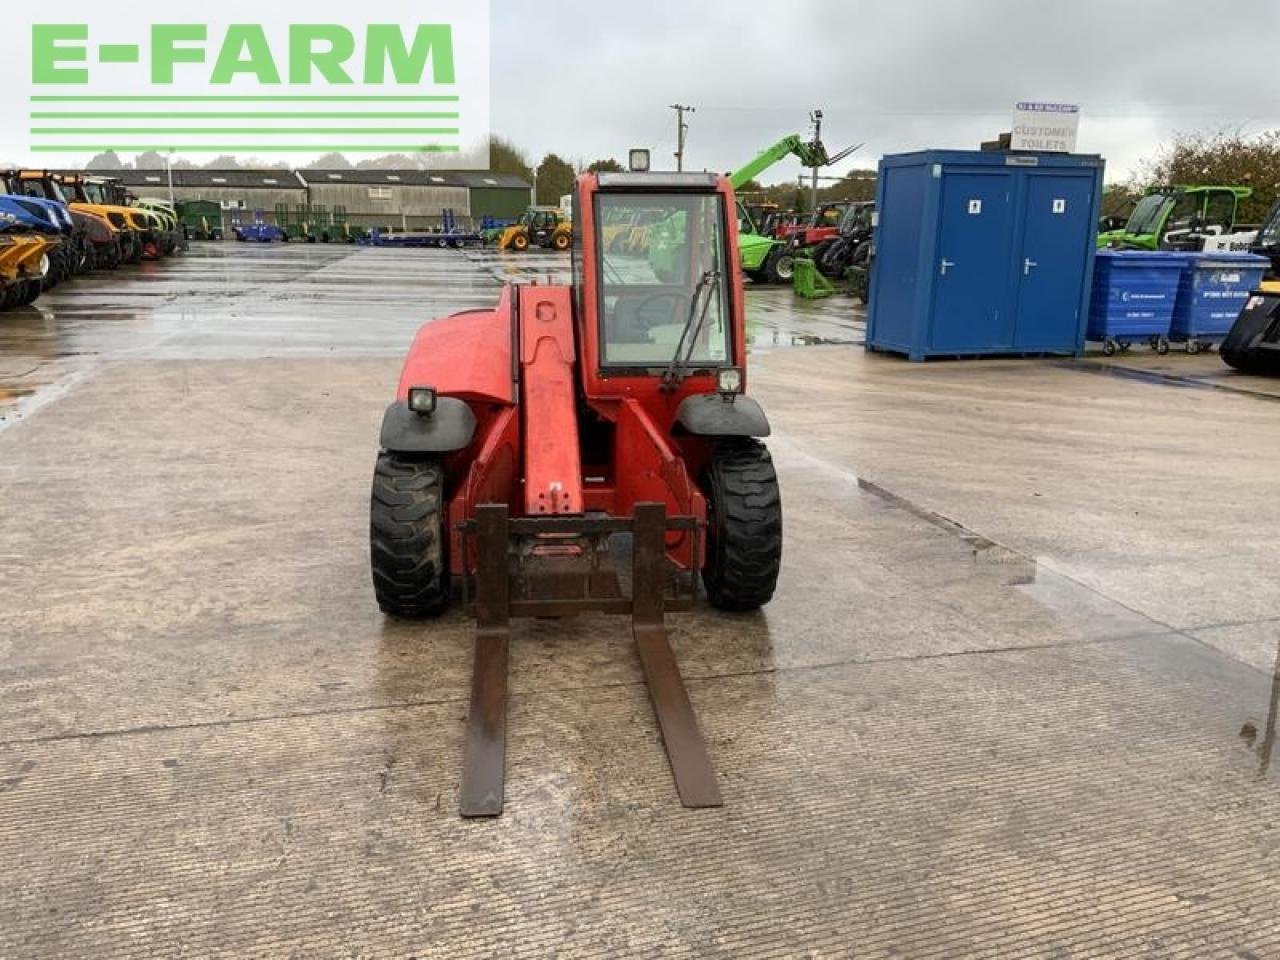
(55, 226)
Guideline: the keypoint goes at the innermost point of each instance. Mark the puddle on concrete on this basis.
(229, 300)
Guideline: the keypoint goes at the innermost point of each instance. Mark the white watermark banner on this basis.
(280, 83)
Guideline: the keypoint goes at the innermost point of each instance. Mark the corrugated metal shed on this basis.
(412, 198)
(250, 189)
(498, 195)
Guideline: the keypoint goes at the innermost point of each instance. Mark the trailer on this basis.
(450, 235)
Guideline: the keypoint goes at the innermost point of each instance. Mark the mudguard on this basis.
(709, 415)
(449, 428)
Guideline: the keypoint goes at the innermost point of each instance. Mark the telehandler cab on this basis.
(526, 442)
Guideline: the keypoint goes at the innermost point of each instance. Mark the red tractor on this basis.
(823, 224)
(528, 443)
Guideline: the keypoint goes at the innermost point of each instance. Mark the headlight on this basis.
(729, 381)
(422, 400)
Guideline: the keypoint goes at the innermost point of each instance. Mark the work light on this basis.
(422, 400)
(729, 382)
(638, 161)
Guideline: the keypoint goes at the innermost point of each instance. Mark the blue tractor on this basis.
(28, 237)
(69, 256)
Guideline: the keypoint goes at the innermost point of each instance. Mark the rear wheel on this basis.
(560, 242)
(407, 545)
(744, 525)
(779, 265)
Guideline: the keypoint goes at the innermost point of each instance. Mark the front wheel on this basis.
(779, 265)
(407, 540)
(744, 525)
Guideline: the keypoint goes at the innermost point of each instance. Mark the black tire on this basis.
(827, 257)
(407, 543)
(57, 267)
(744, 526)
(110, 258)
(779, 266)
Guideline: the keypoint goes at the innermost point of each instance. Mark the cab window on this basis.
(669, 281)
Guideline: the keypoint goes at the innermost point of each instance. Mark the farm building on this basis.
(401, 198)
(246, 189)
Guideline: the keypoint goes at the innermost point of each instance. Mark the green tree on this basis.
(856, 185)
(151, 160)
(106, 161)
(388, 161)
(1230, 158)
(1119, 199)
(555, 179)
(608, 165)
(330, 161)
(506, 157)
(224, 161)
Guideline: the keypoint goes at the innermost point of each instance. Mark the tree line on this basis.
(1231, 158)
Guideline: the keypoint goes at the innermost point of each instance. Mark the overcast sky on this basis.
(594, 78)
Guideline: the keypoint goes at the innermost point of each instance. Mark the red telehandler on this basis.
(527, 444)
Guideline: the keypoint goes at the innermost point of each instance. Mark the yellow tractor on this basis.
(24, 260)
(96, 195)
(541, 227)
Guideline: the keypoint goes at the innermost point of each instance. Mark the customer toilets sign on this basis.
(1045, 127)
(278, 82)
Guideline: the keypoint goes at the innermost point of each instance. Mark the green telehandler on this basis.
(1179, 218)
(764, 259)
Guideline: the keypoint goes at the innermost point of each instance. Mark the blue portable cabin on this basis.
(983, 252)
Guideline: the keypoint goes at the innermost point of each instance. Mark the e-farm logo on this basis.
(387, 86)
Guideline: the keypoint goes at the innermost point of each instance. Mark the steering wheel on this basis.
(634, 317)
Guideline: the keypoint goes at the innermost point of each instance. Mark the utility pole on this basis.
(815, 117)
(681, 129)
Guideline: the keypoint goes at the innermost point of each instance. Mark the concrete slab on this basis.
(1016, 695)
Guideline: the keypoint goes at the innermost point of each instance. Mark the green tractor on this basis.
(1178, 218)
(764, 259)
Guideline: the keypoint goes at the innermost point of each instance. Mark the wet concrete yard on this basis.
(1016, 696)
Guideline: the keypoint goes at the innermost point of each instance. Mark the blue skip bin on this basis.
(1212, 291)
(1133, 297)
